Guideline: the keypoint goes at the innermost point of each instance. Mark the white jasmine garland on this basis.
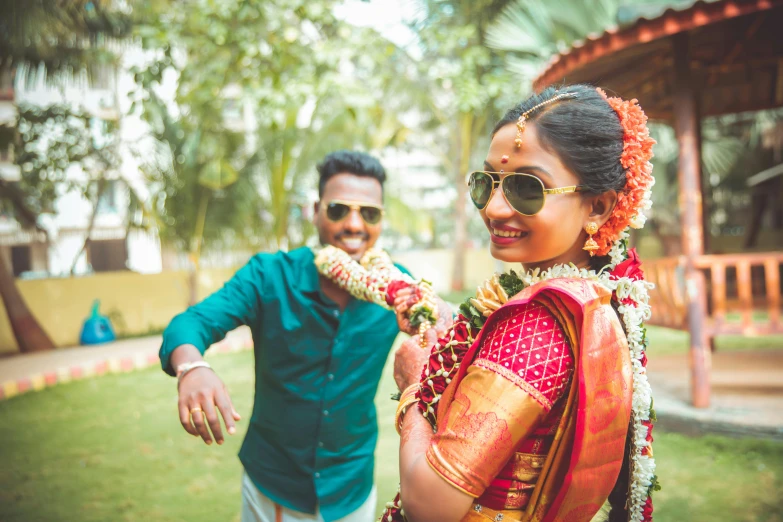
(369, 278)
(638, 221)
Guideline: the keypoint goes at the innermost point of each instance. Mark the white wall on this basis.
(144, 254)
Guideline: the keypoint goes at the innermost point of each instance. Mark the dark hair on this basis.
(352, 162)
(584, 132)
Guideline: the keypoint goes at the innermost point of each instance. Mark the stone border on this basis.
(39, 381)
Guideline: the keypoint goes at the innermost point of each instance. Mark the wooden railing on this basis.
(743, 292)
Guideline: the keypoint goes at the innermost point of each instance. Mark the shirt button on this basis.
(326, 413)
(336, 313)
(330, 376)
(320, 444)
(317, 475)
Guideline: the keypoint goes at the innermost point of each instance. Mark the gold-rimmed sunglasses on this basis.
(524, 193)
(337, 210)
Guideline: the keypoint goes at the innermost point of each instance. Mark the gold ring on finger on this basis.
(196, 409)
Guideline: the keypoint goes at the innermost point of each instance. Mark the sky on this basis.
(388, 17)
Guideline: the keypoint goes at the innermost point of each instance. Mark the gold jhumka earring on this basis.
(522, 121)
(591, 245)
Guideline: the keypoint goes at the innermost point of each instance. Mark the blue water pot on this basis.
(97, 328)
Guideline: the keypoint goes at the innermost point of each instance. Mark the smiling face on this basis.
(556, 233)
(351, 233)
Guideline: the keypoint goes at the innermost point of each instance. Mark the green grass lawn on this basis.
(111, 449)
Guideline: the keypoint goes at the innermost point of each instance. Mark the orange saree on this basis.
(539, 450)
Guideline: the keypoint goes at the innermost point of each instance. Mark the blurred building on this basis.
(113, 246)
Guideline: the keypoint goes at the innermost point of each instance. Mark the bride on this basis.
(535, 405)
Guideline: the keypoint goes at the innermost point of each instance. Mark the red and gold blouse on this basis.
(497, 432)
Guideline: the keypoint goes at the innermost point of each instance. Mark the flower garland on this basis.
(375, 279)
(624, 279)
(635, 159)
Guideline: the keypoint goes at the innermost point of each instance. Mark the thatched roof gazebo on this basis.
(705, 59)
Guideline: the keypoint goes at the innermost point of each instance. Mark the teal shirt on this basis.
(313, 431)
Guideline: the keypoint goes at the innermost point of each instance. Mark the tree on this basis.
(56, 39)
(260, 105)
(361, 110)
(59, 39)
(209, 173)
(530, 32)
(202, 190)
(467, 82)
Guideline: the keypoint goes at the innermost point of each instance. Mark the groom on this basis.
(308, 452)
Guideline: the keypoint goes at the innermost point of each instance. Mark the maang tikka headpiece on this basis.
(522, 121)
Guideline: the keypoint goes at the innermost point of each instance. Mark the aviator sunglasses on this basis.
(525, 193)
(337, 210)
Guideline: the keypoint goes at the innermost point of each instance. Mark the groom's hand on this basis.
(406, 298)
(201, 396)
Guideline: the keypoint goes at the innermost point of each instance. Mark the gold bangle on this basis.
(410, 392)
(399, 416)
(407, 399)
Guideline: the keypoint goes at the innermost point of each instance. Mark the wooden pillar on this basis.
(686, 126)
(704, 183)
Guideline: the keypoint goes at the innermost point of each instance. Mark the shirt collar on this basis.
(308, 280)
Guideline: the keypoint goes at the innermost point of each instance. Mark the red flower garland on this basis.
(630, 268)
(444, 361)
(396, 286)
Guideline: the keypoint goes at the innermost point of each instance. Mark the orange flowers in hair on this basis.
(635, 159)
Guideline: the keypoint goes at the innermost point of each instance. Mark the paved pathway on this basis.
(747, 394)
(34, 371)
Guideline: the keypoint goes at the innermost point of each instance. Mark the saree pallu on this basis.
(583, 463)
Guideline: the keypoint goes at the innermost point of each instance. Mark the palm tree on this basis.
(733, 147)
(59, 39)
(530, 32)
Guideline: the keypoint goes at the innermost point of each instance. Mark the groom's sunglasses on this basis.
(337, 210)
(525, 193)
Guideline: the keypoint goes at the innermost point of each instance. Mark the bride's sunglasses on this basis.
(337, 210)
(525, 193)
